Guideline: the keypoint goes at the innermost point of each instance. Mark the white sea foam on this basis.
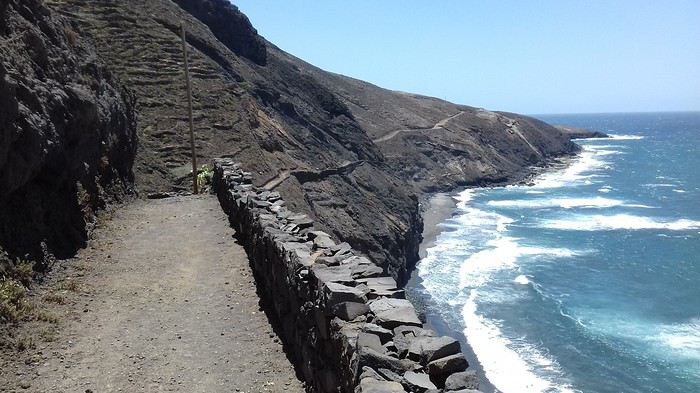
(620, 137)
(566, 203)
(588, 161)
(503, 253)
(521, 279)
(683, 337)
(657, 185)
(619, 221)
(680, 191)
(507, 365)
(464, 197)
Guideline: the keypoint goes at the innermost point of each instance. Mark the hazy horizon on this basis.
(546, 58)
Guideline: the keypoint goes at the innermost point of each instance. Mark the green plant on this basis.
(204, 176)
(13, 303)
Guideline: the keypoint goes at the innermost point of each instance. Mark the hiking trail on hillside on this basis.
(167, 303)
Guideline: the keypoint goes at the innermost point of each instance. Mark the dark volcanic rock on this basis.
(350, 310)
(440, 369)
(580, 133)
(230, 26)
(427, 349)
(369, 385)
(67, 133)
(418, 382)
(462, 380)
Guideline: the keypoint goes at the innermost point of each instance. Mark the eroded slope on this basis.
(323, 140)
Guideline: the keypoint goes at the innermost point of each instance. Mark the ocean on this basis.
(588, 280)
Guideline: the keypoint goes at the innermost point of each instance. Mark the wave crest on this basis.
(619, 221)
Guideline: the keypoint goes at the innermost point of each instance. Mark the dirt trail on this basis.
(441, 124)
(170, 306)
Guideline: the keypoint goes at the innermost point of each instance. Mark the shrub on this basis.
(13, 302)
(204, 177)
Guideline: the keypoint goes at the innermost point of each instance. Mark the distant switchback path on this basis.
(170, 305)
(441, 124)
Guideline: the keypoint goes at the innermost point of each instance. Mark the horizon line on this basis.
(612, 113)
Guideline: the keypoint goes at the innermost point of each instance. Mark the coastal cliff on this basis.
(355, 157)
(67, 133)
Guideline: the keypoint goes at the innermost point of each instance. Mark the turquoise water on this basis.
(590, 279)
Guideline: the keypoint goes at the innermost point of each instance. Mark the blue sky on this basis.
(523, 56)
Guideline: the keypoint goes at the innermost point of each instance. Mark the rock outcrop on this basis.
(67, 133)
(347, 324)
(580, 133)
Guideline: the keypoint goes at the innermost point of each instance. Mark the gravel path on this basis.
(168, 304)
(441, 124)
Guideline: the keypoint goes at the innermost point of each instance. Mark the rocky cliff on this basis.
(67, 133)
(353, 156)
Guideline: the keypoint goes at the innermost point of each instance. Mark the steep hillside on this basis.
(354, 156)
(67, 133)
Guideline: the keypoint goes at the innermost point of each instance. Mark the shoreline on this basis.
(438, 207)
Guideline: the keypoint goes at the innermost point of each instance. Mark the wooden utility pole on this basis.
(195, 187)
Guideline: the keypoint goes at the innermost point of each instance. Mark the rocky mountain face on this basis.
(67, 133)
(355, 157)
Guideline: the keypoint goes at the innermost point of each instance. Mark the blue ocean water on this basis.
(589, 280)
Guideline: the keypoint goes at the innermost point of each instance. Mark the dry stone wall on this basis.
(346, 323)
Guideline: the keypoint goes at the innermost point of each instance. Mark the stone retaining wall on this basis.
(346, 322)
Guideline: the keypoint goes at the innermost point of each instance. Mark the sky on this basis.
(535, 57)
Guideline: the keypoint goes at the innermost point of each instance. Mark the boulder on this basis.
(397, 317)
(342, 248)
(390, 375)
(382, 286)
(426, 349)
(462, 380)
(323, 242)
(301, 220)
(350, 310)
(386, 304)
(418, 382)
(336, 274)
(440, 369)
(337, 293)
(368, 340)
(366, 270)
(377, 360)
(368, 372)
(390, 313)
(369, 385)
(384, 334)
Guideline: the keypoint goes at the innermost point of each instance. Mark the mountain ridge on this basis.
(279, 115)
